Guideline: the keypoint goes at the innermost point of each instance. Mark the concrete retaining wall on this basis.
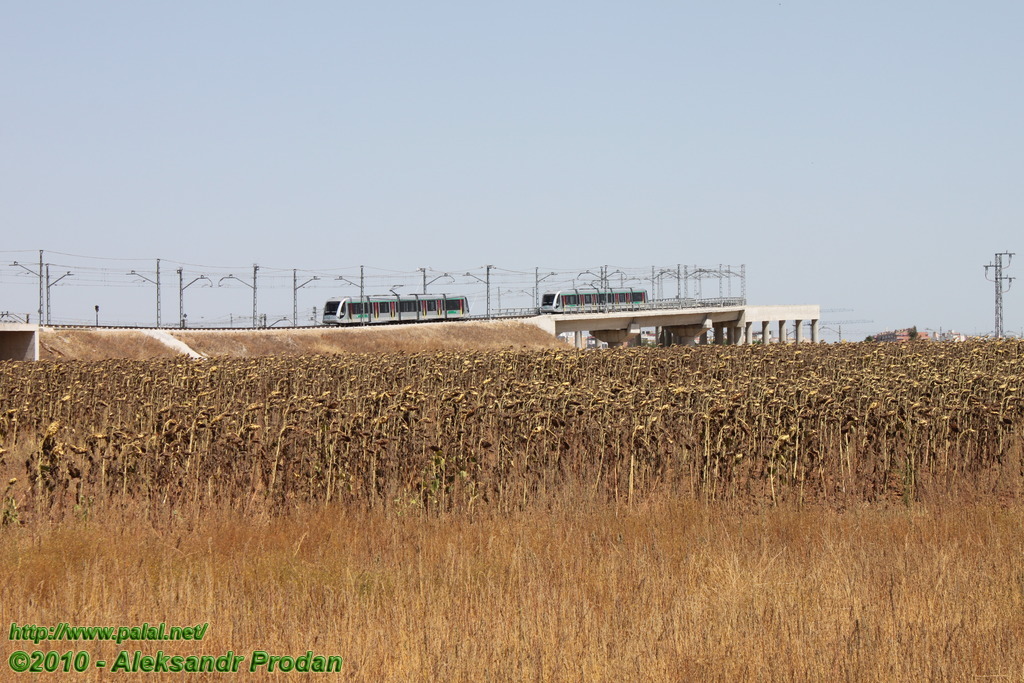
(19, 341)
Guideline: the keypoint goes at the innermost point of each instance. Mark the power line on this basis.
(90, 274)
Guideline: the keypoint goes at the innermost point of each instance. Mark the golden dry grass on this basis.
(85, 344)
(465, 335)
(571, 590)
(63, 344)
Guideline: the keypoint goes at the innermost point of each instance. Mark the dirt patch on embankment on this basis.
(78, 344)
(83, 344)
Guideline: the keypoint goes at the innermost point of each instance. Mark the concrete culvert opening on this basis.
(19, 341)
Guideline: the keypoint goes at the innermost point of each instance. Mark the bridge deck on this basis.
(731, 324)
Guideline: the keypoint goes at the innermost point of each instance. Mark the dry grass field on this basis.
(86, 344)
(738, 513)
(70, 344)
(571, 591)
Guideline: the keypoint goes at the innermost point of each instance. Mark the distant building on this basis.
(904, 335)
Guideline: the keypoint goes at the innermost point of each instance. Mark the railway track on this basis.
(278, 329)
(510, 314)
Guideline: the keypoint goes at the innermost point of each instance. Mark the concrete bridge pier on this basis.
(614, 337)
(718, 325)
(780, 326)
(690, 335)
(738, 334)
(619, 337)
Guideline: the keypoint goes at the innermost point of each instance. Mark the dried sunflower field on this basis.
(454, 430)
(842, 512)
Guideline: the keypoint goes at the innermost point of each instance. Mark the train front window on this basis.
(547, 300)
(331, 307)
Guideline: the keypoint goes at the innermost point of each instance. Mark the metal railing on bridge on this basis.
(717, 302)
(655, 305)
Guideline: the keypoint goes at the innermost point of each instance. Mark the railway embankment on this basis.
(144, 344)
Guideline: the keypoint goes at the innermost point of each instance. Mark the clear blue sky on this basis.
(864, 155)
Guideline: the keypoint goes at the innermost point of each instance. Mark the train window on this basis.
(409, 306)
(355, 308)
(453, 304)
(547, 300)
(331, 307)
(431, 305)
(638, 297)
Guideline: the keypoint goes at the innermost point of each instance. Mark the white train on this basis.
(394, 309)
(592, 301)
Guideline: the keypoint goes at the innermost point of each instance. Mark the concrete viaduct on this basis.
(719, 325)
(689, 326)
